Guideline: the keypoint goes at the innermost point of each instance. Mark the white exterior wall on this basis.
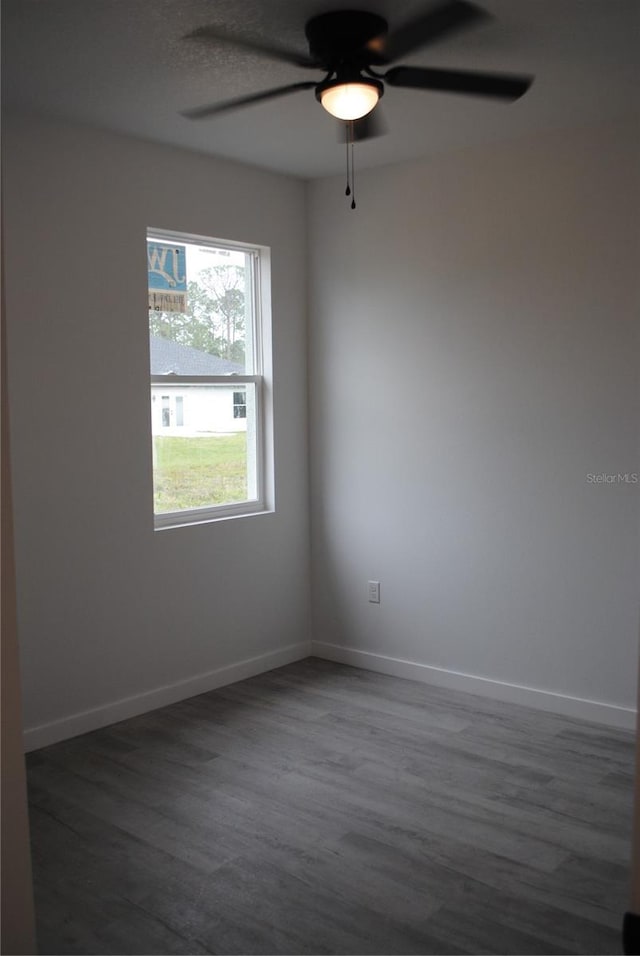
(206, 411)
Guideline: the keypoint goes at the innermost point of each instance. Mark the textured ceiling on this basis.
(125, 65)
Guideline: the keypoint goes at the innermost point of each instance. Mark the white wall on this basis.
(108, 608)
(474, 356)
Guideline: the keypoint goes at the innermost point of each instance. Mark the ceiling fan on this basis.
(350, 46)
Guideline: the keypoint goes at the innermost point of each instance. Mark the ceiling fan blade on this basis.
(503, 86)
(202, 112)
(212, 34)
(367, 127)
(433, 25)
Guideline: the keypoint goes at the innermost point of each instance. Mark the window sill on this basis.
(187, 519)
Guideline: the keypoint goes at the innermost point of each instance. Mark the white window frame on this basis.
(260, 379)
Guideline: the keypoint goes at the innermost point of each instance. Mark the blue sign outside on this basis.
(167, 266)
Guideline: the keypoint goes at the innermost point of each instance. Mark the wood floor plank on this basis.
(324, 809)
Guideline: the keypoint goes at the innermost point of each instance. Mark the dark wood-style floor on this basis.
(325, 809)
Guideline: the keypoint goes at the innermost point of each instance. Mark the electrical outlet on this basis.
(374, 592)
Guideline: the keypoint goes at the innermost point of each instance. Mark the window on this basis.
(239, 404)
(179, 411)
(207, 334)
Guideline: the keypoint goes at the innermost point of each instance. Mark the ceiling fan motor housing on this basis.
(345, 38)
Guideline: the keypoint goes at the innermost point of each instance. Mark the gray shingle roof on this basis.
(168, 356)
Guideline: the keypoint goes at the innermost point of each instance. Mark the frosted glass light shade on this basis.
(350, 101)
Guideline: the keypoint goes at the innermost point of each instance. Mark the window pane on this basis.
(200, 308)
(166, 411)
(206, 455)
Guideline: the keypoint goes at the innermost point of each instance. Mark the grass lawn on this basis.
(196, 472)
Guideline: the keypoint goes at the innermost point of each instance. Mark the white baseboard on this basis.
(610, 714)
(88, 720)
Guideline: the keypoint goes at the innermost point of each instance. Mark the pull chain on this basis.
(351, 174)
(353, 178)
(347, 191)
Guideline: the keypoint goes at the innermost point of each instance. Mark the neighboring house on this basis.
(188, 410)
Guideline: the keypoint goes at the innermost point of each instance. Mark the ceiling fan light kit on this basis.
(350, 99)
(346, 44)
